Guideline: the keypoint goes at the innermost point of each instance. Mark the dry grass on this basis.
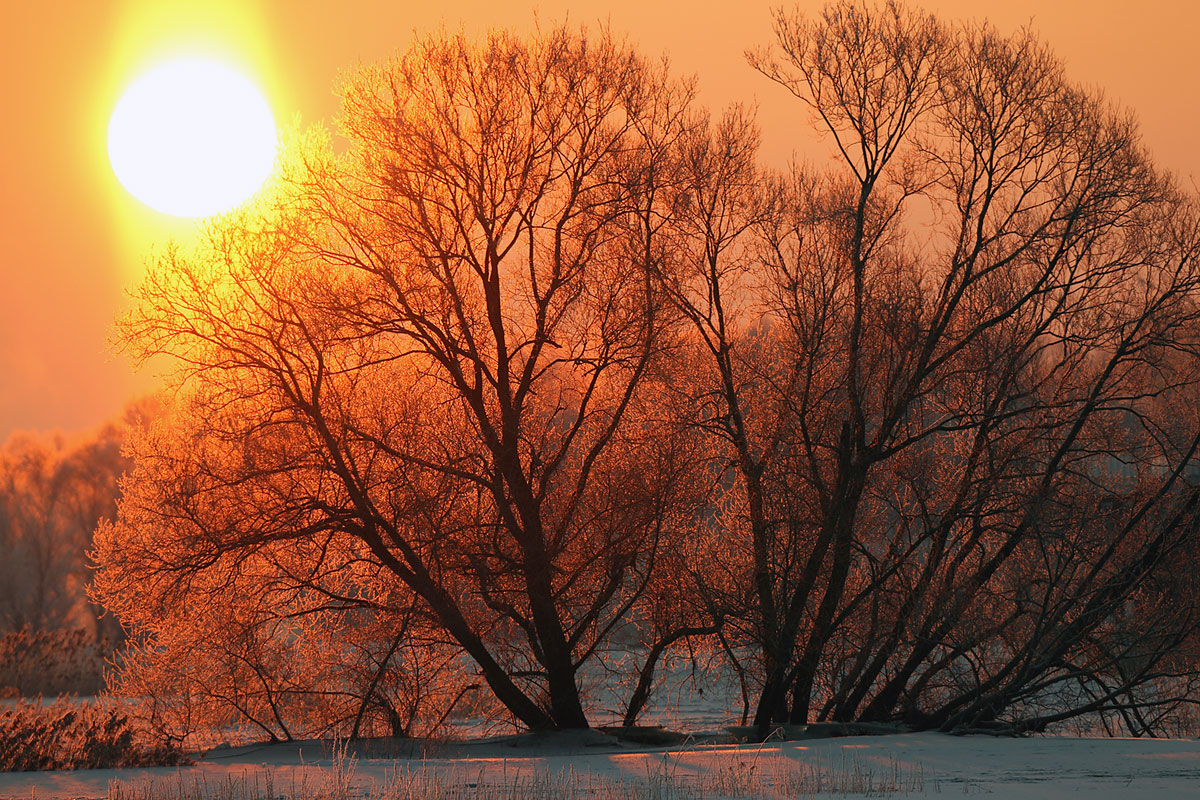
(66, 734)
(733, 776)
(420, 784)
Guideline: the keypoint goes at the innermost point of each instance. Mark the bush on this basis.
(67, 734)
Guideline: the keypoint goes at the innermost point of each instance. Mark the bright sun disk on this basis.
(192, 138)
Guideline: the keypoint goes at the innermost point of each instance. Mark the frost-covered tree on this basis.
(435, 355)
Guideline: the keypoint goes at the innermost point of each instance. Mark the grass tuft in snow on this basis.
(727, 777)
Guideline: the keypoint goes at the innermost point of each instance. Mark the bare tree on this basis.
(972, 440)
(437, 346)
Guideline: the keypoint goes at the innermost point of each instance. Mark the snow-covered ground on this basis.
(908, 765)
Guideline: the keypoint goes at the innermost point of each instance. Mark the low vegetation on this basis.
(67, 734)
(734, 776)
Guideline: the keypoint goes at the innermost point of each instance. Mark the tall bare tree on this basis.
(437, 346)
(956, 460)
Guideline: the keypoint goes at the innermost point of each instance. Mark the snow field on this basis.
(907, 765)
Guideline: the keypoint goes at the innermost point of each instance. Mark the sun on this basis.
(192, 137)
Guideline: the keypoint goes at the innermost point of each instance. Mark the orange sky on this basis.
(72, 240)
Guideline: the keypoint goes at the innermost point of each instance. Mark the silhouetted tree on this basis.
(965, 426)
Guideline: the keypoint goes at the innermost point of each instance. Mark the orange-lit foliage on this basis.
(277, 652)
(37, 662)
(70, 735)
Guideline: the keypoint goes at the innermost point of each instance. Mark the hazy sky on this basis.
(72, 241)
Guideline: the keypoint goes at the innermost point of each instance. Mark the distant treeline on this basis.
(55, 488)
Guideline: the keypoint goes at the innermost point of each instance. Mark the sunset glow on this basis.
(192, 138)
(759, 397)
